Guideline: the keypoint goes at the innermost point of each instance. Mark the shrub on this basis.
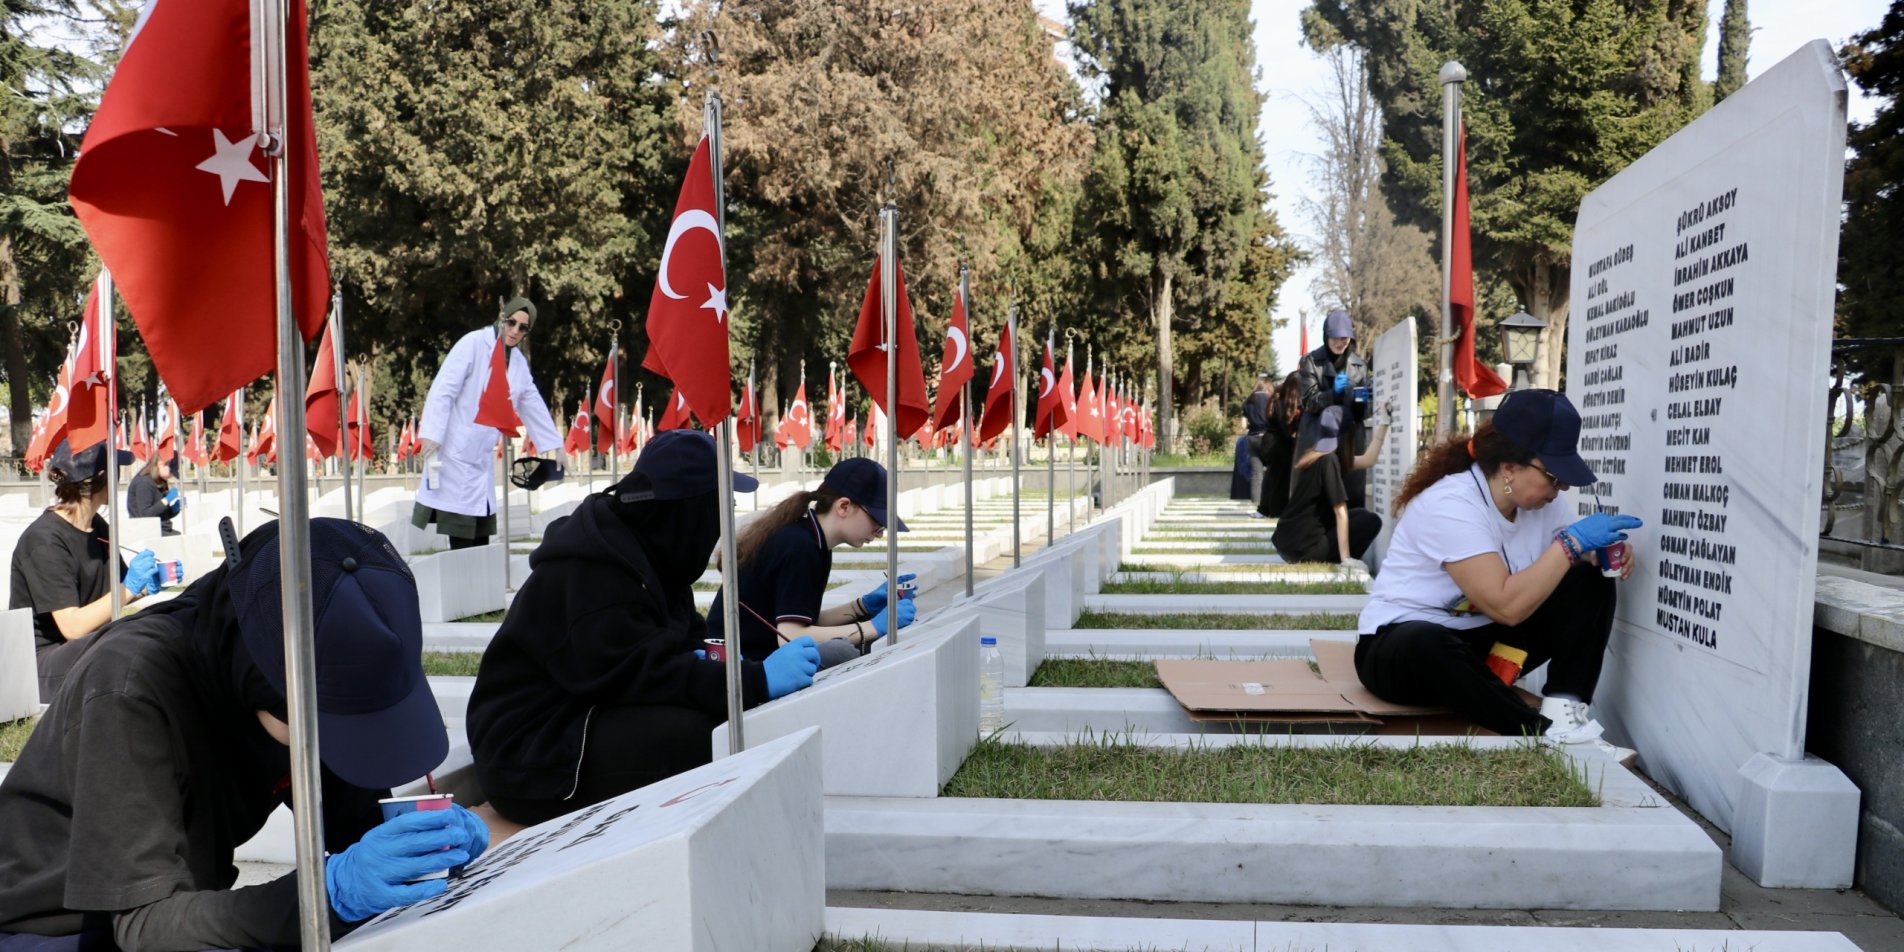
(1208, 431)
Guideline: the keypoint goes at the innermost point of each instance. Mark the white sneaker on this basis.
(1569, 721)
(1257, 515)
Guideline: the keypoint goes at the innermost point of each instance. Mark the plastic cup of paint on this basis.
(172, 571)
(394, 807)
(1613, 560)
(716, 649)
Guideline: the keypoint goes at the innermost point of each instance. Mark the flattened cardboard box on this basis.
(1281, 690)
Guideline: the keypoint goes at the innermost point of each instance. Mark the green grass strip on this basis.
(13, 735)
(496, 615)
(1214, 548)
(452, 664)
(1094, 673)
(1179, 587)
(1172, 568)
(1112, 768)
(1320, 621)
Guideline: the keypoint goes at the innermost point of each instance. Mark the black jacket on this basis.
(591, 627)
(1317, 371)
(144, 498)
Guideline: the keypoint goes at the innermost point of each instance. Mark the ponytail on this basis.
(787, 512)
(1455, 454)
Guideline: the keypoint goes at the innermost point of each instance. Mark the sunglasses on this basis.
(511, 322)
(1555, 480)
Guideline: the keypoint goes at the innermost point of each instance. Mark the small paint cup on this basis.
(716, 649)
(172, 571)
(1613, 560)
(1505, 661)
(394, 807)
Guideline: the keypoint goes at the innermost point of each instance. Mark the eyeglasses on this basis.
(1558, 485)
(511, 322)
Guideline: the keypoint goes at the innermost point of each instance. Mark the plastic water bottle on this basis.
(991, 687)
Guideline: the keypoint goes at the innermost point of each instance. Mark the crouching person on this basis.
(168, 747)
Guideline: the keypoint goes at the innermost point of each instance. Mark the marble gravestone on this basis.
(1395, 378)
(727, 856)
(19, 673)
(1698, 355)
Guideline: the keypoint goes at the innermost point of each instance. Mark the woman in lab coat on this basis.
(458, 490)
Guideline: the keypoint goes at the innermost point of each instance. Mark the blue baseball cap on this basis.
(378, 723)
(678, 464)
(75, 467)
(1545, 423)
(1337, 324)
(863, 481)
(1329, 428)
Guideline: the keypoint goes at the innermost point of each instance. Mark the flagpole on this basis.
(240, 463)
(1051, 448)
(1018, 485)
(889, 313)
(965, 425)
(363, 430)
(1452, 76)
(340, 371)
(753, 452)
(109, 342)
(614, 409)
(730, 555)
(1071, 438)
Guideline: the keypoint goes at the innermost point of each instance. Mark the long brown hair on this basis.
(1455, 454)
(151, 471)
(1289, 397)
(786, 513)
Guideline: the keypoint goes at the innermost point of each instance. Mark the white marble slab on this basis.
(1011, 608)
(915, 928)
(19, 673)
(459, 583)
(1068, 570)
(1225, 604)
(898, 722)
(1703, 288)
(1150, 644)
(1288, 577)
(726, 856)
(1394, 377)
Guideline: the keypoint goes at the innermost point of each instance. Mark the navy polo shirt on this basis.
(782, 582)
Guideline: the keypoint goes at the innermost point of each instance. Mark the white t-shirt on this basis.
(1452, 520)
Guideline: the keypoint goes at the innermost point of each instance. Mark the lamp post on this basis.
(1520, 342)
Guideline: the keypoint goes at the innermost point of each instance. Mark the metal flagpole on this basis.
(1071, 438)
(508, 459)
(109, 359)
(730, 554)
(889, 313)
(240, 464)
(753, 452)
(294, 541)
(1453, 74)
(1051, 449)
(965, 433)
(340, 369)
(1018, 485)
(614, 409)
(363, 434)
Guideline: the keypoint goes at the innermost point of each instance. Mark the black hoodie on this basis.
(593, 626)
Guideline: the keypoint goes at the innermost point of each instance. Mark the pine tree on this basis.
(1872, 302)
(1735, 38)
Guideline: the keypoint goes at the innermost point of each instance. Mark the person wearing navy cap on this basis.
(786, 557)
(1490, 549)
(1335, 375)
(168, 748)
(1318, 524)
(596, 684)
(63, 567)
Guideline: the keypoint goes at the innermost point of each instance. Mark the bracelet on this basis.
(1568, 546)
(859, 635)
(859, 609)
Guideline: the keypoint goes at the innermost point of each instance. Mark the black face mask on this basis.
(677, 535)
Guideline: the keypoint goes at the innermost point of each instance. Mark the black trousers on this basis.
(627, 748)
(1420, 662)
(54, 662)
(1364, 526)
(458, 542)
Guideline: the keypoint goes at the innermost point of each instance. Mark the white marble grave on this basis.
(458, 583)
(1011, 607)
(898, 721)
(1697, 354)
(1395, 376)
(19, 674)
(726, 856)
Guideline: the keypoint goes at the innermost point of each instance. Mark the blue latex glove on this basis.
(142, 574)
(172, 497)
(875, 601)
(701, 653)
(475, 831)
(375, 874)
(1601, 529)
(791, 666)
(907, 612)
(1341, 382)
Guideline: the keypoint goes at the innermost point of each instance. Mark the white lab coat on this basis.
(467, 483)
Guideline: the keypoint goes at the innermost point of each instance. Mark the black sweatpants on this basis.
(626, 748)
(1364, 526)
(1420, 662)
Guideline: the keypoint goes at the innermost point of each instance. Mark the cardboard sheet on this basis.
(1281, 691)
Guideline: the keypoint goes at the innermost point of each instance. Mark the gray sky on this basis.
(1290, 72)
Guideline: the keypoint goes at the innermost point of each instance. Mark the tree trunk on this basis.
(1541, 284)
(13, 357)
(1162, 312)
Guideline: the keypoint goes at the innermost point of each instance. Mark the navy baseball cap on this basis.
(677, 464)
(1337, 324)
(378, 723)
(863, 481)
(75, 468)
(1545, 423)
(1329, 428)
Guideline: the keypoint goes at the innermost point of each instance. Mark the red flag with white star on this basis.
(320, 398)
(1090, 411)
(493, 407)
(1050, 413)
(747, 427)
(687, 316)
(606, 412)
(231, 432)
(955, 365)
(171, 188)
(677, 416)
(87, 403)
(1067, 402)
(867, 357)
(578, 438)
(835, 414)
(800, 419)
(998, 396)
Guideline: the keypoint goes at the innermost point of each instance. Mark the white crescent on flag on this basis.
(685, 222)
(1044, 389)
(608, 391)
(998, 369)
(960, 348)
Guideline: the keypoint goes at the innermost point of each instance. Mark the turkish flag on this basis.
(874, 420)
(359, 429)
(637, 432)
(406, 440)
(677, 416)
(1090, 423)
(800, 419)
(231, 431)
(493, 407)
(136, 440)
(1067, 403)
(1050, 415)
(867, 357)
(687, 316)
(605, 405)
(780, 437)
(998, 396)
(1477, 379)
(1144, 428)
(578, 439)
(167, 448)
(852, 430)
(955, 365)
(835, 415)
(89, 399)
(53, 428)
(747, 425)
(171, 188)
(195, 447)
(1304, 321)
(264, 441)
(320, 398)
